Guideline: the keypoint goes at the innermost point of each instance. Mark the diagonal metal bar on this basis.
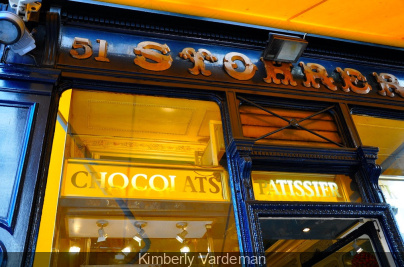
(278, 130)
(319, 135)
(264, 109)
(317, 113)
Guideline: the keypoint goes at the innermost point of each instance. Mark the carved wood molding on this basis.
(52, 39)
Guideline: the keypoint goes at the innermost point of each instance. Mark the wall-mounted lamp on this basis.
(181, 236)
(102, 236)
(139, 236)
(284, 48)
(14, 33)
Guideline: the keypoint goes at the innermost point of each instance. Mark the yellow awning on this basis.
(373, 21)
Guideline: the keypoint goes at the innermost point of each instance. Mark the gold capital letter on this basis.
(230, 66)
(272, 68)
(388, 83)
(351, 78)
(198, 59)
(314, 71)
(146, 51)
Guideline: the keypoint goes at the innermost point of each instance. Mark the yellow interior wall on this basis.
(47, 226)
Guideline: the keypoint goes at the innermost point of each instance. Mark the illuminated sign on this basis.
(299, 188)
(291, 187)
(117, 181)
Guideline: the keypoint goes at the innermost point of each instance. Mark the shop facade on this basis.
(130, 133)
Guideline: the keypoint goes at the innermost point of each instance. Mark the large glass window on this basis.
(138, 174)
(320, 242)
(388, 135)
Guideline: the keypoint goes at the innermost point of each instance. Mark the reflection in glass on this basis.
(287, 243)
(140, 174)
(388, 136)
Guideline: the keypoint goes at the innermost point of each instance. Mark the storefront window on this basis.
(388, 136)
(316, 242)
(288, 186)
(140, 174)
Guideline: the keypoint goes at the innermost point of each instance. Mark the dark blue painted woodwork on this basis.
(24, 109)
(3, 255)
(15, 130)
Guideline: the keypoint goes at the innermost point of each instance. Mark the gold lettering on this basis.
(198, 58)
(351, 78)
(212, 183)
(230, 66)
(81, 43)
(306, 185)
(111, 180)
(315, 184)
(188, 183)
(103, 51)
(74, 179)
(298, 184)
(134, 182)
(262, 184)
(165, 182)
(314, 71)
(172, 179)
(273, 68)
(103, 176)
(290, 183)
(146, 51)
(388, 84)
(324, 189)
(282, 183)
(334, 189)
(272, 187)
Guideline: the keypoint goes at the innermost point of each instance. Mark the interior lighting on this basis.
(181, 236)
(126, 250)
(185, 249)
(74, 249)
(284, 48)
(102, 236)
(306, 230)
(357, 248)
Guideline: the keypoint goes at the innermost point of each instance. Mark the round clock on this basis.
(11, 28)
